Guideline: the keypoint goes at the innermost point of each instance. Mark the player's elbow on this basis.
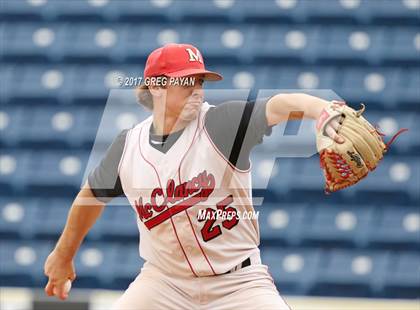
(87, 197)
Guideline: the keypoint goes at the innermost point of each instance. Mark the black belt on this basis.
(244, 264)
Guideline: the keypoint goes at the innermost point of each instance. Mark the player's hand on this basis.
(332, 131)
(59, 269)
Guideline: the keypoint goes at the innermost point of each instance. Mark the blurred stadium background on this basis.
(59, 60)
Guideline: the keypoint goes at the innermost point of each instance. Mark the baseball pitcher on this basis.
(186, 172)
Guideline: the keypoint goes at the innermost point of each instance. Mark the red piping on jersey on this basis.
(160, 184)
(223, 157)
(198, 242)
(186, 212)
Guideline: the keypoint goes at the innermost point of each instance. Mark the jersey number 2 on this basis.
(211, 231)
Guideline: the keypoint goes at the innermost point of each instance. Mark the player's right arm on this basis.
(103, 184)
(59, 266)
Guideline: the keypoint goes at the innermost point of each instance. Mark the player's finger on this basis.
(60, 291)
(334, 123)
(49, 288)
(72, 277)
(333, 134)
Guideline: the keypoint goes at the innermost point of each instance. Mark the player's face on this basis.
(185, 101)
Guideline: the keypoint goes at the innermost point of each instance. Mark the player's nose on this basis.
(198, 93)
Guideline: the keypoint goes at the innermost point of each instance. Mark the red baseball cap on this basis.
(178, 60)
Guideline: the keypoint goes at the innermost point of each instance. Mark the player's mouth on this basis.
(194, 104)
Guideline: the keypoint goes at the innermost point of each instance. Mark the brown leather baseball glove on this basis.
(345, 164)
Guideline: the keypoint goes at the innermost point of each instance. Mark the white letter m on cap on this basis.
(194, 56)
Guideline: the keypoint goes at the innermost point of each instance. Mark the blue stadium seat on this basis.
(337, 12)
(40, 84)
(140, 40)
(395, 227)
(402, 278)
(210, 11)
(86, 133)
(299, 77)
(32, 41)
(23, 10)
(407, 91)
(275, 11)
(223, 43)
(228, 73)
(77, 11)
(150, 11)
(291, 139)
(50, 218)
(52, 126)
(308, 175)
(14, 168)
(128, 263)
(401, 11)
(395, 180)
(375, 87)
(22, 263)
(97, 262)
(95, 265)
(402, 45)
(269, 171)
(390, 123)
(16, 217)
(7, 76)
(117, 117)
(14, 116)
(57, 170)
(350, 273)
(294, 270)
(352, 45)
(94, 84)
(284, 43)
(90, 84)
(45, 219)
(281, 223)
(119, 222)
(337, 225)
(91, 43)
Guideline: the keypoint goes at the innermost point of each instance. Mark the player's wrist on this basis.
(64, 253)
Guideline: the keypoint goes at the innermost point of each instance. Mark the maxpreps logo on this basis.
(180, 197)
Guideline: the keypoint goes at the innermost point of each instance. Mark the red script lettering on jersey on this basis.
(181, 197)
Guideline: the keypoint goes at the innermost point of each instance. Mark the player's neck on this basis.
(165, 124)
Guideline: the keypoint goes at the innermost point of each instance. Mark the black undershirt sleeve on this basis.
(236, 127)
(104, 180)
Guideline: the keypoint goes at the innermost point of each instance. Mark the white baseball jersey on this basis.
(168, 190)
(176, 189)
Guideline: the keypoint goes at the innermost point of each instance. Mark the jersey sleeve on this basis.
(104, 180)
(236, 127)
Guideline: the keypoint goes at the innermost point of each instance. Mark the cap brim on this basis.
(208, 75)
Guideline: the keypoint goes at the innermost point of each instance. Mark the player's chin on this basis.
(189, 114)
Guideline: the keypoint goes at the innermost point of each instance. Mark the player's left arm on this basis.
(295, 106)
